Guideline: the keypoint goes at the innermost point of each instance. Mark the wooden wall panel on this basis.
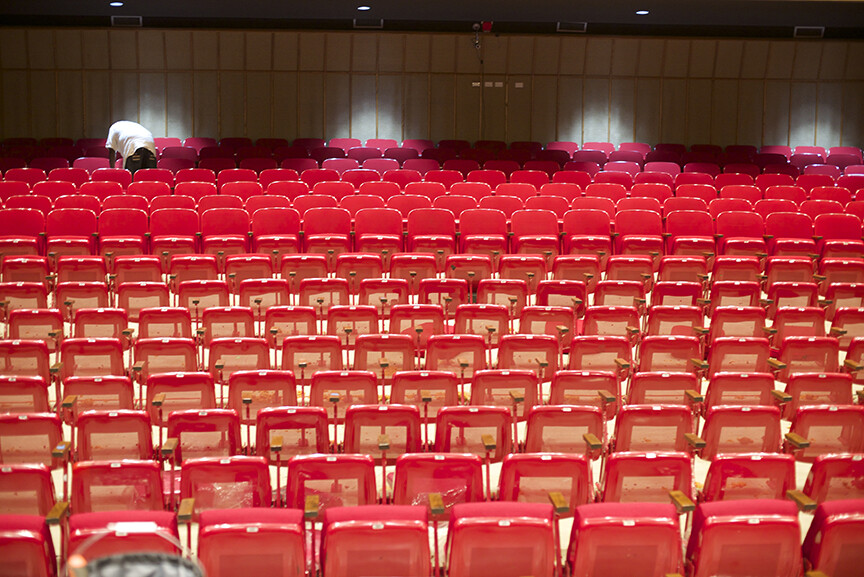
(622, 115)
(777, 114)
(698, 112)
(829, 114)
(803, 103)
(442, 107)
(724, 111)
(259, 105)
(285, 108)
(596, 110)
(570, 109)
(544, 109)
(389, 104)
(649, 109)
(153, 109)
(418, 95)
(287, 83)
(364, 107)
(43, 102)
(70, 102)
(179, 105)
(337, 105)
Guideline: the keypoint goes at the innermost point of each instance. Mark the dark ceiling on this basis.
(750, 18)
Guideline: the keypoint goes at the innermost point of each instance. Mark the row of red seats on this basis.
(498, 536)
(403, 175)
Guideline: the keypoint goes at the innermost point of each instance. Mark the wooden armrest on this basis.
(781, 397)
(769, 330)
(860, 395)
(622, 363)
(852, 366)
(310, 506)
(158, 400)
(559, 503)
(69, 401)
(246, 399)
(276, 443)
(334, 398)
(138, 367)
(837, 332)
(703, 302)
(55, 368)
(673, 575)
(219, 364)
(517, 397)
(776, 364)
(814, 574)
(563, 329)
(699, 364)
(57, 512)
(127, 332)
(606, 396)
(683, 503)
(462, 363)
(694, 440)
(61, 451)
(803, 502)
(170, 446)
(425, 397)
(701, 330)
(633, 330)
(819, 277)
(703, 277)
(187, 508)
(488, 442)
(694, 396)
(592, 441)
(797, 441)
(383, 442)
(436, 504)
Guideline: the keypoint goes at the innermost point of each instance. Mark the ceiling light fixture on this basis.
(115, 4)
(364, 8)
(642, 12)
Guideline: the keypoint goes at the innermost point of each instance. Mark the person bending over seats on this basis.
(134, 143)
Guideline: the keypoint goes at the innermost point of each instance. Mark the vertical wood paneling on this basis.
(570, 106)
(259, 105)
(442, 107)
(751, 94)
(152, 101)
(418, 94)
(206, 104)
(401, 85)
(698, 112)
(622, 109)
(337, 95)
(179, 106)
(673, 125)
(363, 106)
(802, 110)
(310, 113)
(648, 110)
(70, 105)
(518, 97)
(390, 108)
(544, 109)
(285, 104)
(776, 118)
(43, 102)
(596, 110)
(724, 112)
(829, 113)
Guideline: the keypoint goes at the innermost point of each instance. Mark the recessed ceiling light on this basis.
(115, 4)
(641, 12)
(364, 8)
